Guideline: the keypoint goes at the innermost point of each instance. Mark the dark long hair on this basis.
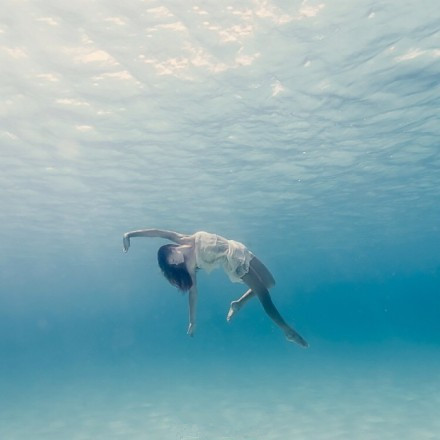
(176, 274)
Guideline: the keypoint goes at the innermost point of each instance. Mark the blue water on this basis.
(307, 130)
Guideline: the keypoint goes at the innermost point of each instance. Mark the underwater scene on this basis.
(304, 132)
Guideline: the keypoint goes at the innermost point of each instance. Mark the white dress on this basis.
(212, 251)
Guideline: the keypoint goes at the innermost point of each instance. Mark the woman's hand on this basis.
(191, 329)
(126, 242)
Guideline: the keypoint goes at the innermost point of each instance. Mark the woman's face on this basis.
(175, 256)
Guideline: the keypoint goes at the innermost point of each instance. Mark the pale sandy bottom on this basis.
(369, 398)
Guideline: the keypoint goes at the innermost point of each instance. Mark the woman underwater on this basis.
(179, 263)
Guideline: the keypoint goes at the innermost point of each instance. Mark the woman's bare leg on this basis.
(263, 273)
(237, 305)
(254, 282)
(266, 278)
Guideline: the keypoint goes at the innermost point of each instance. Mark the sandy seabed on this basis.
(323, 399)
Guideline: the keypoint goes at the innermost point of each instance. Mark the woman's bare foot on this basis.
(233, 309)
(293, 336)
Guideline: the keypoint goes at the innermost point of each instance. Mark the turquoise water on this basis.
(307, 130)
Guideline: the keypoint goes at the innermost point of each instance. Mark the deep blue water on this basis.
(308, 131)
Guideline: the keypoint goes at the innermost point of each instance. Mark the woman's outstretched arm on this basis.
(192, 300)
(169, 235)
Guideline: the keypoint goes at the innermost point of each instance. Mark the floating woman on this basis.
(179, 263)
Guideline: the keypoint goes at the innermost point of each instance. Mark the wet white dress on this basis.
(213, 251)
